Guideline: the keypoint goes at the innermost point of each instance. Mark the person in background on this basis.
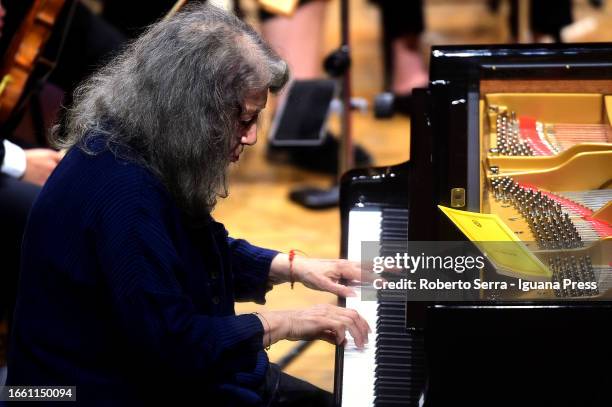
(24, 166)
(546, 19)
(22, 172)
(402, 24)
(298, 39)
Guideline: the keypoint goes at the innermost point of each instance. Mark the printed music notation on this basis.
(499, 243)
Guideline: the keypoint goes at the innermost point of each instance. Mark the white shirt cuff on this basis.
(14, 164)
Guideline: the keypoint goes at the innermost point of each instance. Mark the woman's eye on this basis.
(249, 122)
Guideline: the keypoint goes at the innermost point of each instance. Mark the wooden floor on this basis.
(258, 209)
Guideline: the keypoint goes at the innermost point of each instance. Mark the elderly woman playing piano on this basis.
(128, 284)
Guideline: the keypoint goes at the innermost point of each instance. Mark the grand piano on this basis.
(498, 128)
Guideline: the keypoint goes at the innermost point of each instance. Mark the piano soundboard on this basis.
(551, 182)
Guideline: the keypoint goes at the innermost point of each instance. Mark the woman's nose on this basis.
(250, 138)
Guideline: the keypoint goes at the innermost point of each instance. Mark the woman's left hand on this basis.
(325, 275)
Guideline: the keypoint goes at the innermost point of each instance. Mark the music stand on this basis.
(301, 120)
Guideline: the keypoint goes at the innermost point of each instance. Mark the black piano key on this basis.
(394, 391)
(381, 401)
(400, 355)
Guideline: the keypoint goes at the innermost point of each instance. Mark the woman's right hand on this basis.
(325, 321)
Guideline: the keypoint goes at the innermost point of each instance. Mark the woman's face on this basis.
(253, 105)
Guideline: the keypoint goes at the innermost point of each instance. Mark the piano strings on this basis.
(559, 221)
(525, 136)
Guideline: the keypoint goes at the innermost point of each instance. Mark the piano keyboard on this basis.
(389, 371)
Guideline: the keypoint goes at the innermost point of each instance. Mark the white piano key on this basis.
(358, 368)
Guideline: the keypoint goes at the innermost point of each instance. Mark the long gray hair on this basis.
(175, 96)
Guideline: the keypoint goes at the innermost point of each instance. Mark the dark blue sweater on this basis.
(120, 297)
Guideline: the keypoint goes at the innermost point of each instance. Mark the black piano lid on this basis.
(444, 146)
(472, 349)
(465, 63)
(456, 70)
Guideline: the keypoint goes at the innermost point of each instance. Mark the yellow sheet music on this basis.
(499, 243)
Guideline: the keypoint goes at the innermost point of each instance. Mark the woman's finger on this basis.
(349, 270)
(331, 324)
(361, 324)
(328, 336)
(340, 290)
(353, 329)
(359, 320)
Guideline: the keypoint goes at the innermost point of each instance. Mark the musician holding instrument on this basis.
(21, 174)
(32, 165)
(128, 284)
(22, 171)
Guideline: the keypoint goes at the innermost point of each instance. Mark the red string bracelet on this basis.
(291, 257)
